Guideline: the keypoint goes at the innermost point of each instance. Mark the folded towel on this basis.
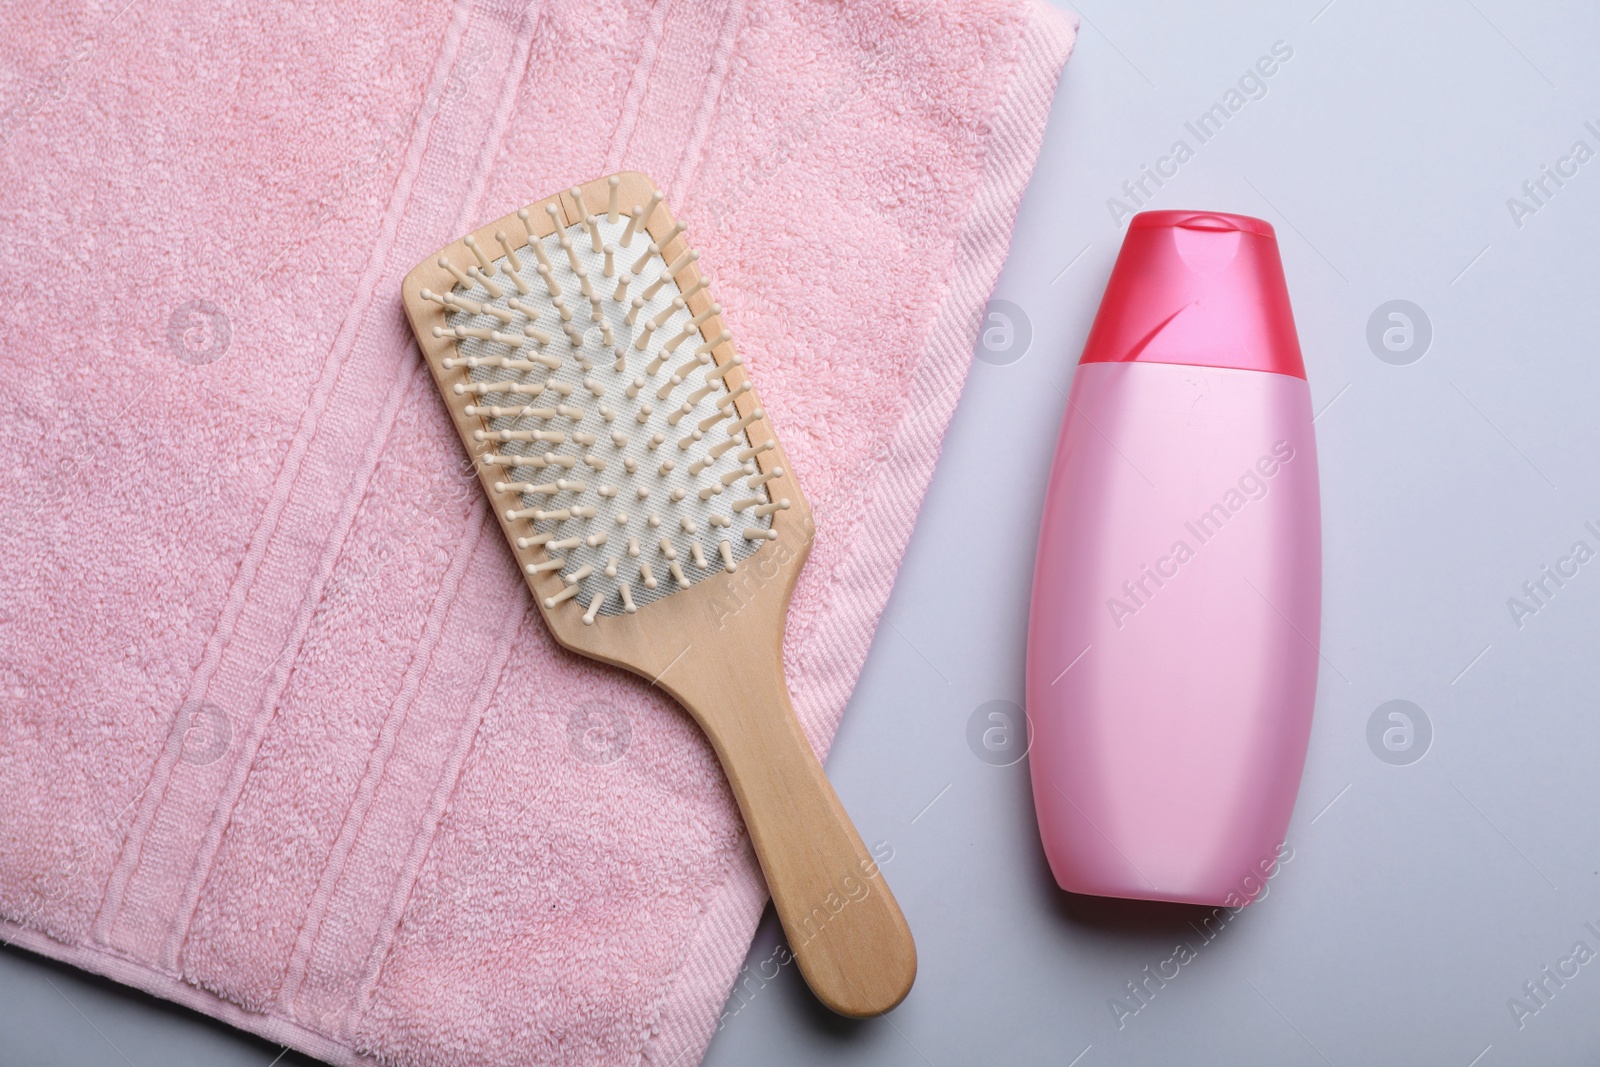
(281, 735)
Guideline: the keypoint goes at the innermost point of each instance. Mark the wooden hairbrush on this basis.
(646, 500)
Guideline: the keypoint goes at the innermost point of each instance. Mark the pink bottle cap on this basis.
(1201, 288)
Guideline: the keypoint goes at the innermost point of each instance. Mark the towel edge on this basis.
(688, 1015)
(146, 979)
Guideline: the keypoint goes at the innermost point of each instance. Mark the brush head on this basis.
(614, 427)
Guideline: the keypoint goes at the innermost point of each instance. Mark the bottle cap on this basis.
(1200, 288)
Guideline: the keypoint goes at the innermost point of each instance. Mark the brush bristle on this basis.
(616, 442)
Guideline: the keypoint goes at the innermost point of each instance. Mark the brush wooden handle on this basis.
(844, 927)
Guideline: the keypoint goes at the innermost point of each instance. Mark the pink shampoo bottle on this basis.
(1177, 593)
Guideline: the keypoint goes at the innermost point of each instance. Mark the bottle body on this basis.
(1172, 647)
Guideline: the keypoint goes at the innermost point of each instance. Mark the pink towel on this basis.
(281, 736)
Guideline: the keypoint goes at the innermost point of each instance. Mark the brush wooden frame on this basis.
(717, 647)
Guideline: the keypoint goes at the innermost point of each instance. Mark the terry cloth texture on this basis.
(282, 737)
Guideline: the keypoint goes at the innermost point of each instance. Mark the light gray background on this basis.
(1420, 897)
